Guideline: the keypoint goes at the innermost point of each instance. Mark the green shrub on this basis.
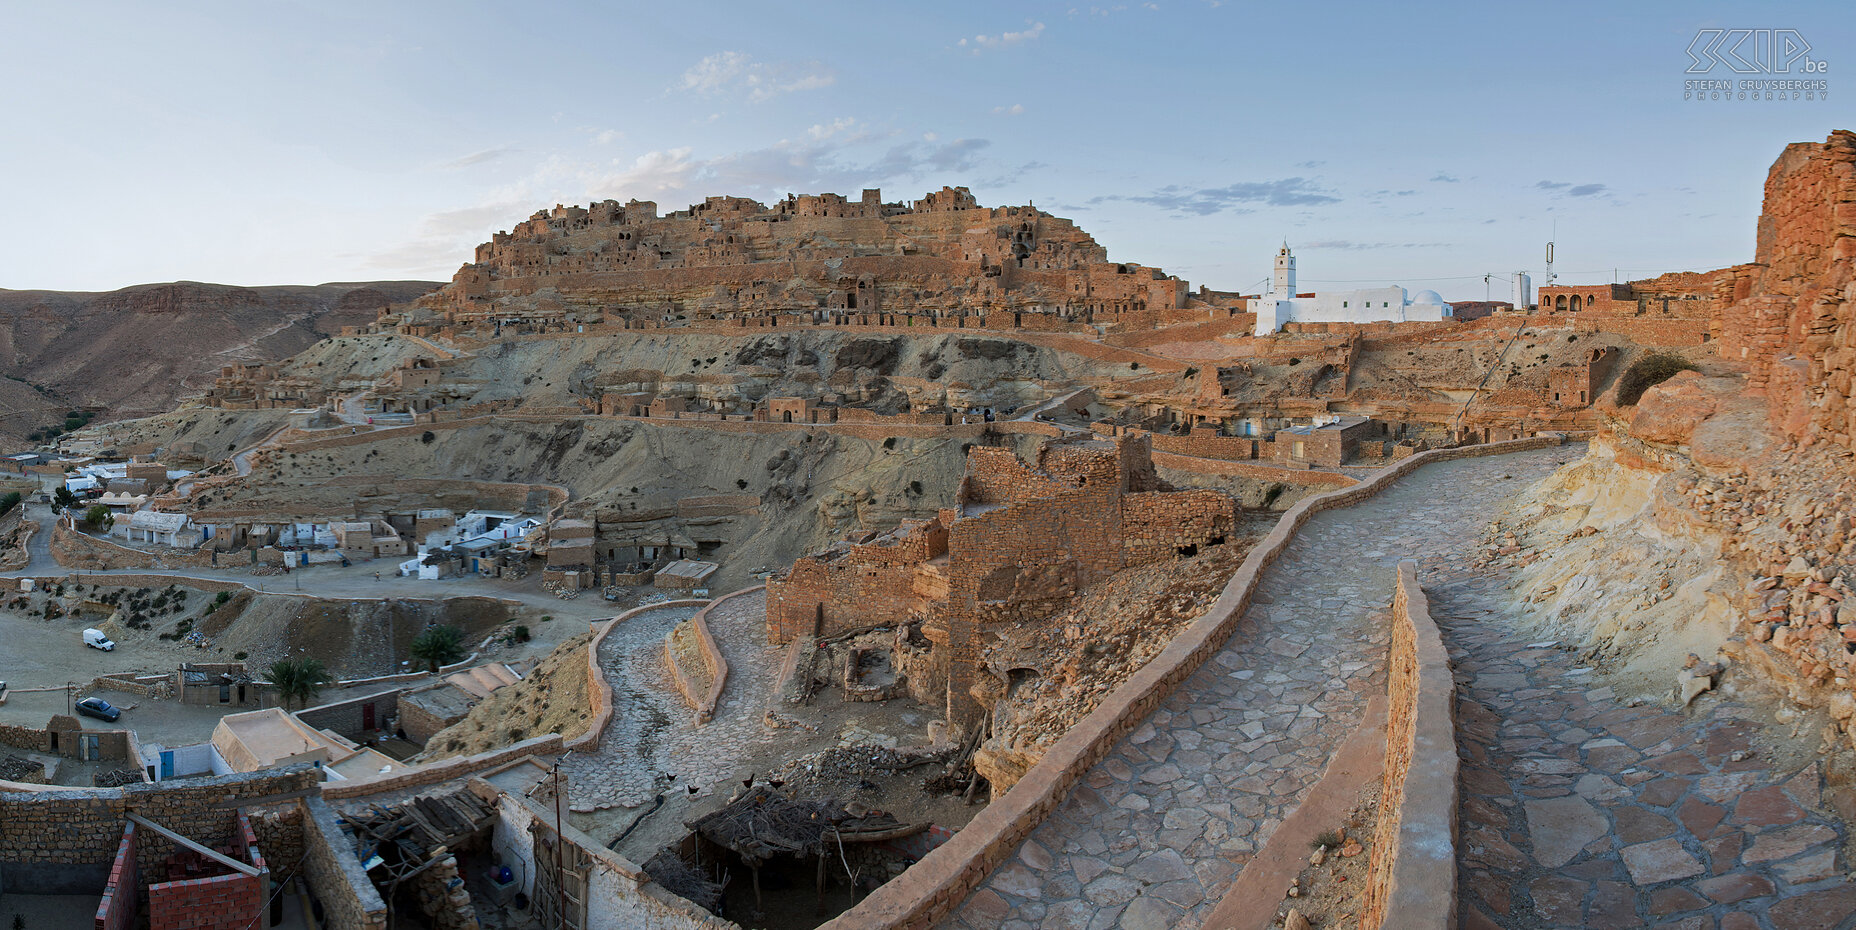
(1647, 372)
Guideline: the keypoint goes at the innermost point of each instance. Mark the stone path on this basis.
(1581, 811)
(624, 769)
(653, 732)
(1154, 835)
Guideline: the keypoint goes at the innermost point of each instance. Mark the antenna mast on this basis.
(1556, 235)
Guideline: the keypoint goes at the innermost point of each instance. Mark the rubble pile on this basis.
(1057, 671)
(848, 771)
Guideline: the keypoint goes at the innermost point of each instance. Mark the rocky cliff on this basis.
(1713, 516)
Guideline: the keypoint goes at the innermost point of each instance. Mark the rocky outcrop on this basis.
(1713, 517)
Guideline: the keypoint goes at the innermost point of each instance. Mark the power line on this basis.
(1504, 275)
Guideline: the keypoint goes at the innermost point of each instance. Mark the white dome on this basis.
(1427, 297)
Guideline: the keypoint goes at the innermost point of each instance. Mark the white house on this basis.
(1367, 305)
(161, 529)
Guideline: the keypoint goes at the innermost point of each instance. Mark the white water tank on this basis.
(1523, 291)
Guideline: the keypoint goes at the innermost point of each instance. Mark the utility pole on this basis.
(560, 839)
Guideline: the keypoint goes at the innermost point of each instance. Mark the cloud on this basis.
(839, 126)
(608, 136)
(831, 161)
(1570, 189)
(1013, 110)
(1003, 40)
(448, 236)
(480, 158)
(1286, 192)
(1010, 175)
(1348, 245)
(843, 155)
(1444, 178)
(726, 72)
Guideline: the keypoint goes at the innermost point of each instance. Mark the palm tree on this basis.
(439, 645)
(298, 680)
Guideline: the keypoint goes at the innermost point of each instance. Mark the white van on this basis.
(96, 640)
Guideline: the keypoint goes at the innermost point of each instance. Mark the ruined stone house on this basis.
(1021, 540)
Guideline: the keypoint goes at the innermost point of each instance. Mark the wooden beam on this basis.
(206, 851)
(267, 799)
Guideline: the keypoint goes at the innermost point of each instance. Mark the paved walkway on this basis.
(1581, 811)
(653, 731)
(1154, 835)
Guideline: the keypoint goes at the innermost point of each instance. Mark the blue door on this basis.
(167, 764)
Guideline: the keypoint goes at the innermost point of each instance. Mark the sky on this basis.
(1426, 145)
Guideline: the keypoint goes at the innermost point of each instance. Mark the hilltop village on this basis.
(861, 563)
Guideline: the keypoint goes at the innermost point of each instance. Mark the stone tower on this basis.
(1284, 282)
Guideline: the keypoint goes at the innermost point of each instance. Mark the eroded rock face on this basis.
(1669, 412)
(1714, 516)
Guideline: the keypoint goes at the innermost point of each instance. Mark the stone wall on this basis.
(111, 745)
(64, 840)
(701, 687)
(933, 887)
(347, 717)
(1411, 877)
(419, 723)
(1797, 299)
(859, 586)
(1296, 476)
(347, 895)
(1206, 444)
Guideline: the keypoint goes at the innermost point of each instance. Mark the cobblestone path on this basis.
(1153, 835)
(653, 731)
(623, 769)
(1581, 811)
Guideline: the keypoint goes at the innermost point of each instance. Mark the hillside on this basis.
(139, 350)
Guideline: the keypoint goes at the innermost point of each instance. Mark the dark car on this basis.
(98, 708)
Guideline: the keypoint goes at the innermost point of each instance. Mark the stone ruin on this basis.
(1020, 541)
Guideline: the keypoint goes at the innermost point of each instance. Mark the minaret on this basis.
(1284, 285)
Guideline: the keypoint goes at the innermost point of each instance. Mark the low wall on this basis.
(444, 770)
(69, 547)
(933, 887)
(133, 580)
(344, 889)
(598, 689)
(1206, 466)
(127, 683)
(712, 654)
(1411, 878)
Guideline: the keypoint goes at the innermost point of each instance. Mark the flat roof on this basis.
(688, 568)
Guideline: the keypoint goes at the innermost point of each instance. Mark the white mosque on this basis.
(1369, 305)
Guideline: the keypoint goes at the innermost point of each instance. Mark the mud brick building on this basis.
(1574, 385)
(1020, 542)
